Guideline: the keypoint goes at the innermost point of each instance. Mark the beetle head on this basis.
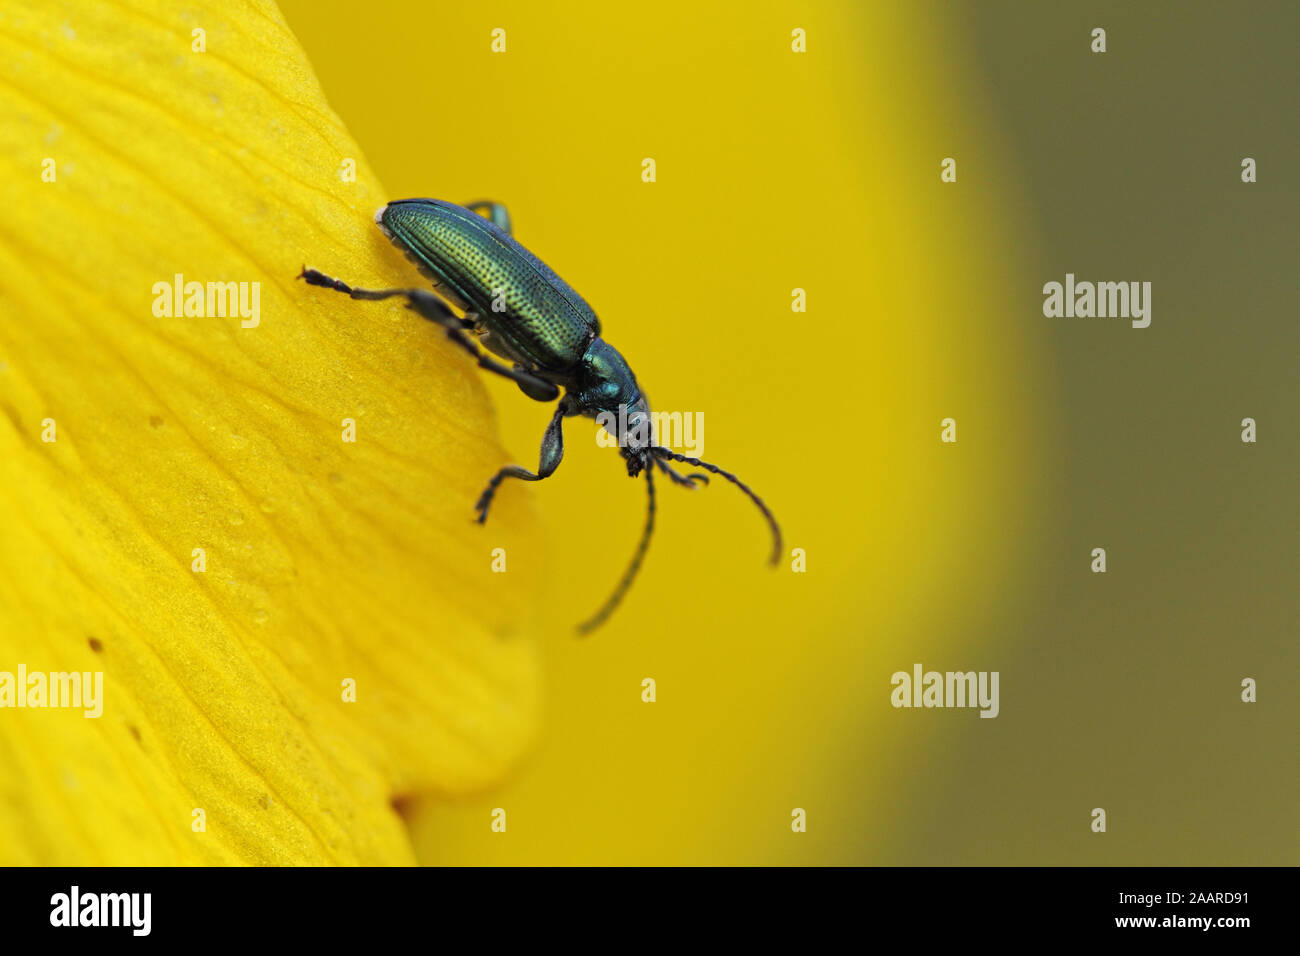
(635, 434)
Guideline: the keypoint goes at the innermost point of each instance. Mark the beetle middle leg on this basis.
(429, 306)
(552, 454)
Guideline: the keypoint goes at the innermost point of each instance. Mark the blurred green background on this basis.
(1127, 165)
(821, 171)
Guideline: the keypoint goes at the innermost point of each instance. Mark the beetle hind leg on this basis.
(425, 303)
(429, 306)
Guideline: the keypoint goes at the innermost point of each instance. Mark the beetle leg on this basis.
(552, 453)
(527, 384)
(532, 386)
(497, 213)
(418, 300)
(429, 306)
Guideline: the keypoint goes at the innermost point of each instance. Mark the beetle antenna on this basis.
(660, 452)
(687, 481)
(597, 619)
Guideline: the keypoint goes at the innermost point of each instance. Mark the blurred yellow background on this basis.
(821, 171)
(775, 171)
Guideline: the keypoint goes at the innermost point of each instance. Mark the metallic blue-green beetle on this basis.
(526, 314)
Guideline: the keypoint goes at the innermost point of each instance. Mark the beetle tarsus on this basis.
(315, 277)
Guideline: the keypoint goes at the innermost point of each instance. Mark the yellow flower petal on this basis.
(326, 561)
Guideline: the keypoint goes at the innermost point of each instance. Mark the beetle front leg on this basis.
(552, 454)
(429, 306)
